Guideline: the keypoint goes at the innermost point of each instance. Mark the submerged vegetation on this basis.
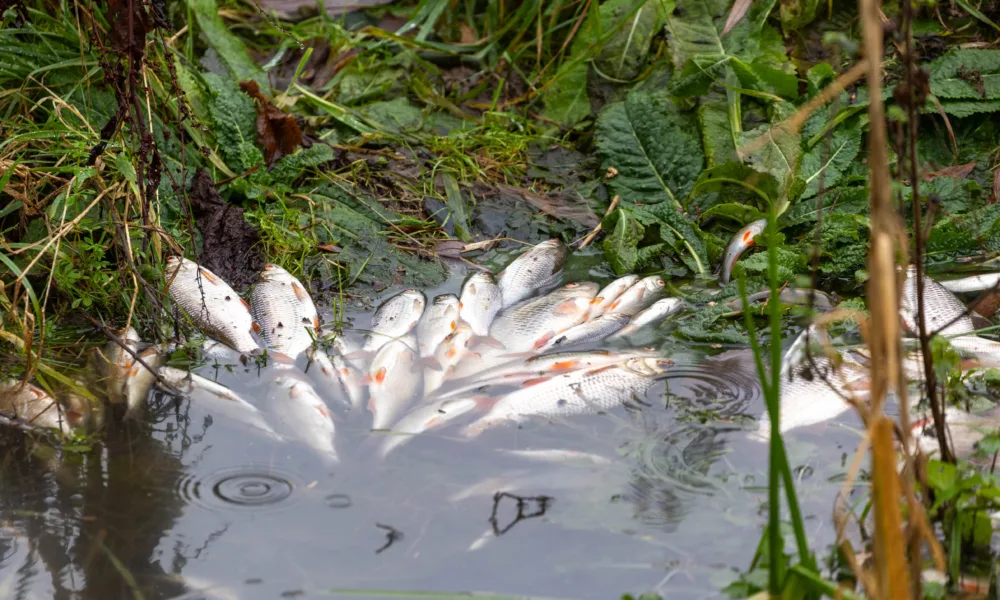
(366, 150)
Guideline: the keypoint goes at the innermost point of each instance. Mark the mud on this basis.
(230, 244)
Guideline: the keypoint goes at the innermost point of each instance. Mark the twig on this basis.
(135, 355)
(593, 234)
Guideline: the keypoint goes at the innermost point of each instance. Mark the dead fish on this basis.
(800, 296)
(514, 370)
(285, 312)
(965, 430)
(213, 306)
(538, 267)
(395, 318)
(577, 392)
(139, 381)
(424, 418)
(27, 406)
(438, 321)
(448, 354)
(812, 388)
(660, 310)
(532, 323)
(975, 283)
(480, 301)
(394, 378)
(303, 414)
(740, 243)
(216, 399)
(984, 352)
(609, 293)
(114, 363)
(326, 374)
(593, 330)
(641, 295)
(944, 313)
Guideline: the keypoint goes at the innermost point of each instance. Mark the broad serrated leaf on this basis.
(624, 55)
(652, 146)
(621, 245)
(694, 30)
(963, 108)
(852, 200)
(967, 74)
(733, 182)
(774, 149)
(739, 213)
(827, 162)
(230, 48)
(717, 135)
(677, 231)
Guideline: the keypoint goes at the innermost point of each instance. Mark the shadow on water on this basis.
(658, 495)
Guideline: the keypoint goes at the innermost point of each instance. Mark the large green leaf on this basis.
(694, 30)
(717, 135)
(653, 147)
(967, 74)
(624, 55)
(621, 245)
(230, 49)
(773, 148)
(828, 162)
(678, 232)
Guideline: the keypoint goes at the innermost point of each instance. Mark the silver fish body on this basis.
(334, 377)
(532, 323)
(394, 379)
(577, 392)
(974, 283)
(641, 295)
(984, 351)
(452, 350)
(140, 381)
(213, 306)
(593, 330)
(27, 406)
(285, 312)
(423, 418)
(658, 311)
(609, 293)
(965, 430)
(302, 414)
(216, 399)
(538, 267)
(480, 301)
(821, 301)
(944, 313)
(114, 364)
(395, 318)
(438, 321)
(740, 243)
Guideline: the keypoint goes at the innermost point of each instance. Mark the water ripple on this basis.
(726, 384)
(239, 488)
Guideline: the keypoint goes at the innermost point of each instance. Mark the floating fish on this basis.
(532, 323)
(139, 381)
(965, 430)
(423, 418)
(335, 377)
(394, 379)
(452, 350)
(395, 318)
(593, 330)
(302, 414)
(944, 313)
(821, 301)
(658, 311)
(26, 406)
(114, 363)
(213, 306)
(641, 295)
(609, 293)
(438, 321)
(975, 283)
(285, 312)
(578, 392)
(216, 398)
(481, 299)
(740, 243)
(537, 268)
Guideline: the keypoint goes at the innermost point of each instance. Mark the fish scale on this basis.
(439, 320)
(594, 330)
(395, 318)
(741, 242)
(944, 312)
(538, 267)
(213, 306)
(285, 312)
(579, 392)
(641, 295)
(303, 415)
(610, 293)
(480, 301)
(532, 323)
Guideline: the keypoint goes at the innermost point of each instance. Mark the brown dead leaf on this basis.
(277, 133)
(328, 248)
(468, 36)
(996, 186)
(957, 171)
(736, 14)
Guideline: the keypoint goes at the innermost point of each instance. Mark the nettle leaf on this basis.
(847, 199)
(678, 232)
(620, 247)
(624, 55)
(967, 74)
(829, 161)
(966, 234)
(773, 149)
(717, 135)
(962, 108)
(653, 147)
(234, 117)
(693, 29)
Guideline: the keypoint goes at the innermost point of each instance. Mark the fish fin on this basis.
(566, 307)
(535, 381)
(255, 327)
(299, 291)
(363, 355)
(484, 340)
(542, 341)
(211, 277)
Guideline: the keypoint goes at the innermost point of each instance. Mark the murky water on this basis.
(666, 495)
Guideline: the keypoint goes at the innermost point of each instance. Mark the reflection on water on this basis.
(194, 505)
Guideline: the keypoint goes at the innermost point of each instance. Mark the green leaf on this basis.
(975, 12)
(229, 47)
(848, 200)
(796, 14)
(967, 74)
(620, 246)
(733, 182)
(456, 207)
(693, 30)
(234, 117)
(741, 213)
(773, 149)
(678, 232)
(829, 162)
(653, 147)
(717, 135)
(963, 108)
(624, 55)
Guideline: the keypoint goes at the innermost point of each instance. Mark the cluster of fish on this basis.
(820, 383)
(506, 348)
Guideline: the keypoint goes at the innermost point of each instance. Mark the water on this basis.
(665, 496)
